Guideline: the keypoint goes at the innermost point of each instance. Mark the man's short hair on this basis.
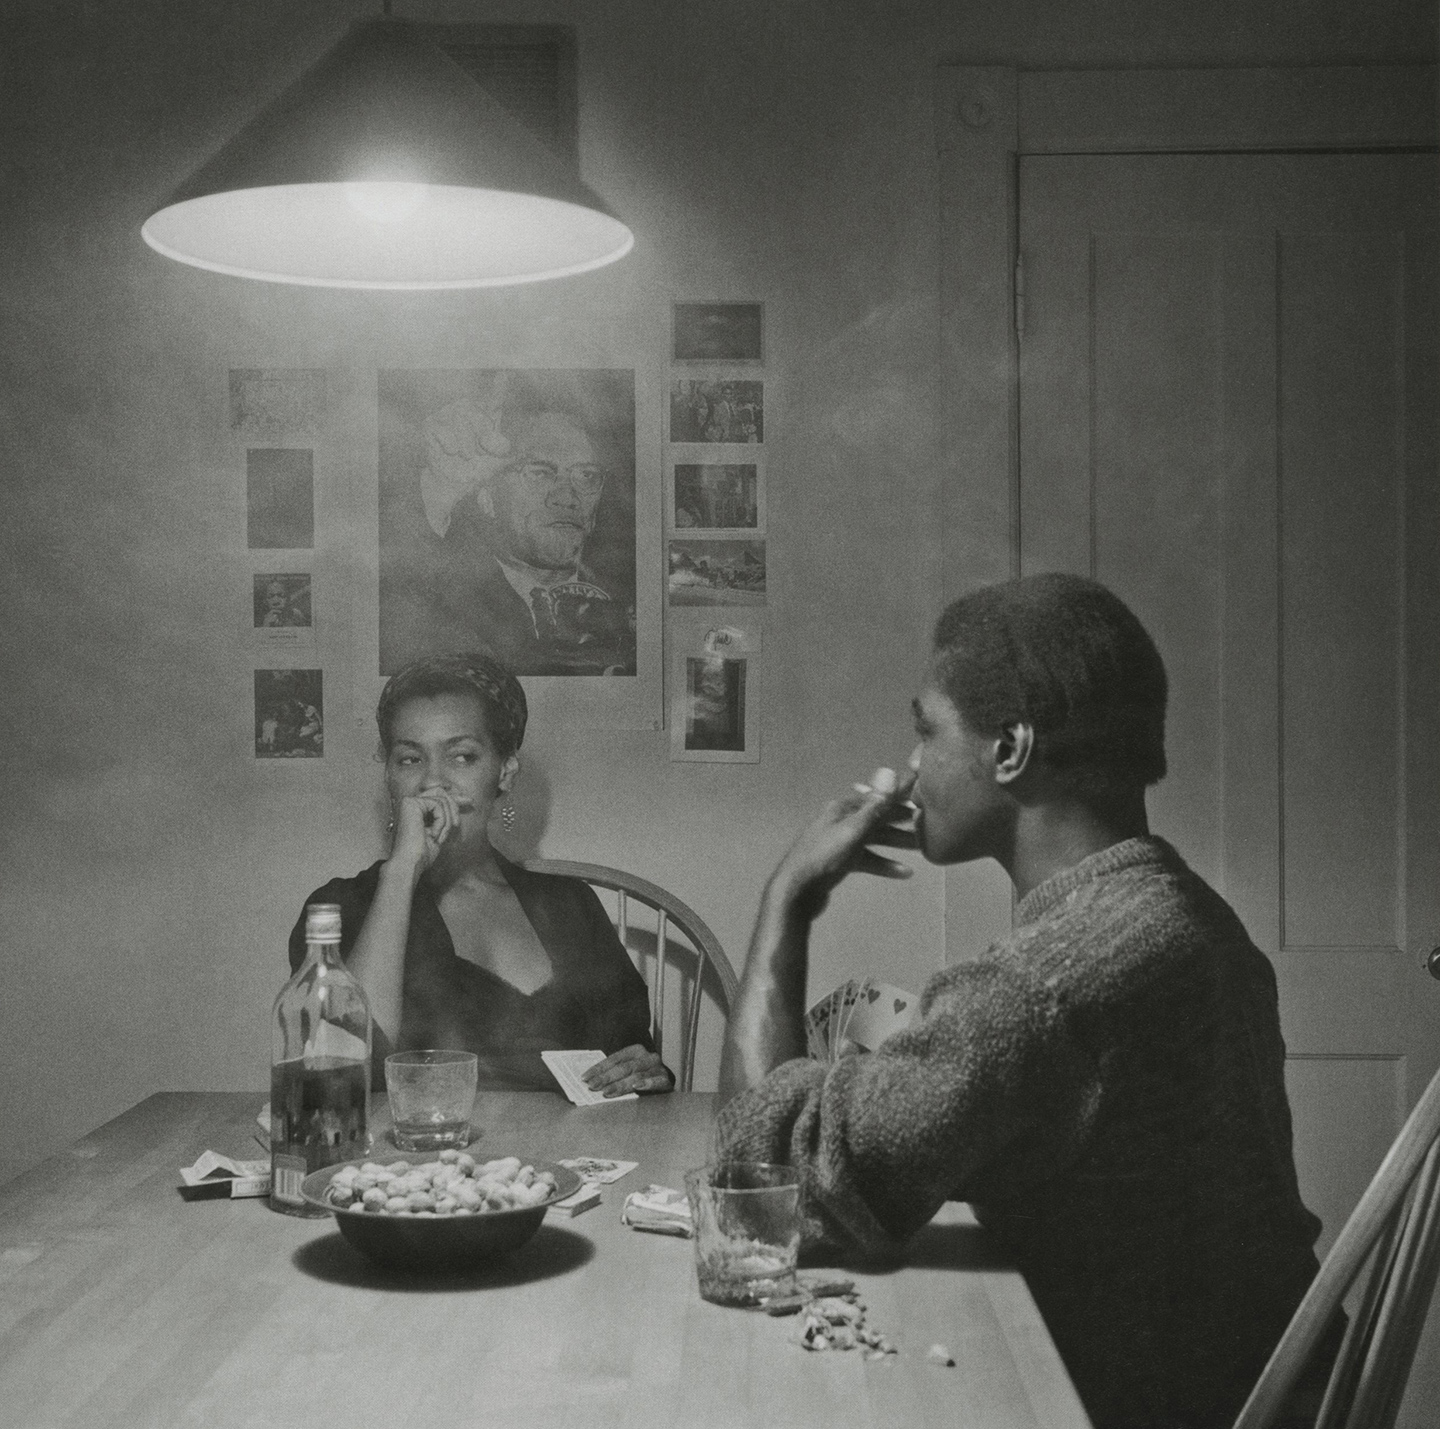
(1068, 657)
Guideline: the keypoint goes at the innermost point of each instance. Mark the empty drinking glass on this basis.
(747, 1230)
(432, 1094)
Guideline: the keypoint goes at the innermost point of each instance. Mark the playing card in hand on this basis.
(854, 997)
(817, 1030)
(857, 1015)
(832, 1028)
(881, 1011)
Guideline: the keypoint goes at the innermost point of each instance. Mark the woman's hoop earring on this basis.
(507, 815)
(390, 827)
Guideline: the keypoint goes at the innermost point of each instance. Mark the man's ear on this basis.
(1013, 752)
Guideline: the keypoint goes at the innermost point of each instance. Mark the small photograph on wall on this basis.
(717, 410)
(272, 403)
(282, 601)
(289, 714)
(718, 332)
(281, 610)
(716, 572)
(714, 718)
(719, 497)
(279, 499)
(507, 518)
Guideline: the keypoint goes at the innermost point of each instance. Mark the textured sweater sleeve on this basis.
(987, 1089)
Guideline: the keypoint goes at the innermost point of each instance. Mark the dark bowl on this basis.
(446, 1243)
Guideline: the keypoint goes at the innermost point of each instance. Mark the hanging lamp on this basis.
(386, 166)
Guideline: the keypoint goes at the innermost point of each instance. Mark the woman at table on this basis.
(455, 945)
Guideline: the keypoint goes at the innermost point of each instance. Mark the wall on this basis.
(759, 150)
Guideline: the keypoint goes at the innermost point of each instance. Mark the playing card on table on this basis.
(577, 1202)
(599, 1168)
(594, 1172)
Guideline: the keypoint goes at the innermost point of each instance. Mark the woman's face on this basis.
(441, 742)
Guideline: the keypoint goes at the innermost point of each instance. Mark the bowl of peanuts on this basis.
(448, 1212)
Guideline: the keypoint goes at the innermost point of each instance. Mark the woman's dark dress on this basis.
(595, 998)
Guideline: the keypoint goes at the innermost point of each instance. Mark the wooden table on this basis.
(123, 1305)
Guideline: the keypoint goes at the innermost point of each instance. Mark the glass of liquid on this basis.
(432, 1094)
(747, 1230)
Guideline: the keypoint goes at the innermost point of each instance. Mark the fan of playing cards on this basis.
(857, 1015)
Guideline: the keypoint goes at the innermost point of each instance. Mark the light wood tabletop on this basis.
(123, 1305)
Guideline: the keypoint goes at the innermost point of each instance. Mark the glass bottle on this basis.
(320, 1040)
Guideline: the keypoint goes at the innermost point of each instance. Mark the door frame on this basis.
(987, 118)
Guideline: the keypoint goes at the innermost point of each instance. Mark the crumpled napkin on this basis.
(216, 1175)
(660, 1209)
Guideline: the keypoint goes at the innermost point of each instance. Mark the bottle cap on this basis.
(322, 922)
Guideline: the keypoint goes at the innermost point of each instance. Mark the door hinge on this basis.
(1019, 295)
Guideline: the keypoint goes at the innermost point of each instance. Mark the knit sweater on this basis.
(1106, 1087)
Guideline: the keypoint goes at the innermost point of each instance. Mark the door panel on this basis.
(1155, 505)
(1227, 374)
(1340, 398)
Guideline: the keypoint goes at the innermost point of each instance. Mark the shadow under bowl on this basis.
(446, 1243)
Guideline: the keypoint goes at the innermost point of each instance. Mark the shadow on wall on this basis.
(531, 800)
(877, 386)
(877, 439)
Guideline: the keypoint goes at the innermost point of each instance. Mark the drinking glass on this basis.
(747, 1230)
(432, 1093)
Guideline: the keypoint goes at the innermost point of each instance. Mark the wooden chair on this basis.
(1400, 1238)
(709, 969)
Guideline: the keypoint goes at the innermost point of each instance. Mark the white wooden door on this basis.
(1227, 413)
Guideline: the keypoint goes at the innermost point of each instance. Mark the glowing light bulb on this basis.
(385, 202)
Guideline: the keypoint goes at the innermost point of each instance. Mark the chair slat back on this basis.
(1345, 1374)
(1399, 1241)
(662, 950)
(669, 911)
(1402, 1309)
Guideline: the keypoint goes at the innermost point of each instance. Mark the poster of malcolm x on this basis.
(507, 518)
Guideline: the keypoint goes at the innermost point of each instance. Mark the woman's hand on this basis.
(839, 841)
(423, 822)
(631, 1069)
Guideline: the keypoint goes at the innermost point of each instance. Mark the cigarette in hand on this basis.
(884, 782)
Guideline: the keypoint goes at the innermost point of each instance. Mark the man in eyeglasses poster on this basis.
(511, 485)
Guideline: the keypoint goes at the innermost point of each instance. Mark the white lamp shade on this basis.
(386, 166)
